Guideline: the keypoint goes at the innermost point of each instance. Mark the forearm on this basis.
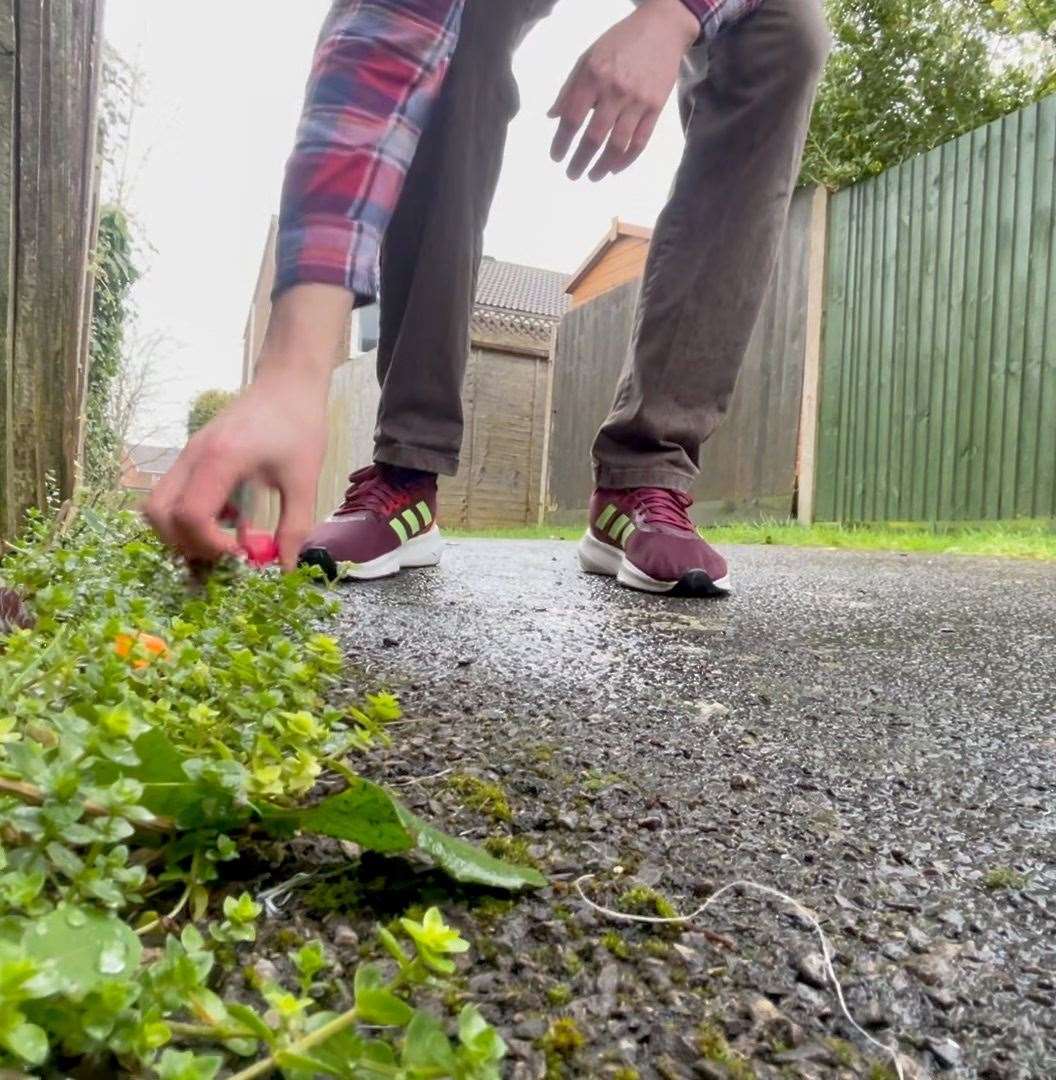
(305, 334)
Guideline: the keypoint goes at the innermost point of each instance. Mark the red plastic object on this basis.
(260, 547)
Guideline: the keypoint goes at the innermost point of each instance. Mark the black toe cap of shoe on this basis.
(321, 558)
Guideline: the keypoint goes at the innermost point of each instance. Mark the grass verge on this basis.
(1027, 539)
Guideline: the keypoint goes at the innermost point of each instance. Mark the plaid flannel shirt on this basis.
(378, 70)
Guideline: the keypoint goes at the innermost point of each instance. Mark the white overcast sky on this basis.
(225, 81)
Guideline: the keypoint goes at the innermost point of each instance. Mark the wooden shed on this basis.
(505, 397)
(619, 258)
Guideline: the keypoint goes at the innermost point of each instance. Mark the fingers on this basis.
(187, 503)
(295, 520)
(598, 130)
(616, 149)
(572, 108)
(635, 146)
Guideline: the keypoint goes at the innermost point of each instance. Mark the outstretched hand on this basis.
(622, 82)
(274, 435)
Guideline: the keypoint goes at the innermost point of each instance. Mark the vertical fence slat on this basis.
(938, 386)
(48, 82)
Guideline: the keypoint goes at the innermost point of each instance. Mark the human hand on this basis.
(625, 79)
(274, 435)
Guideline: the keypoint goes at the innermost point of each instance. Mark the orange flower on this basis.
(154, 646)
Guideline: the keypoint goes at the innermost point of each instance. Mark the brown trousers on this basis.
(745, 105)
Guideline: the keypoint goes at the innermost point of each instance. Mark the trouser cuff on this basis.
(414, 457)
(642, 476)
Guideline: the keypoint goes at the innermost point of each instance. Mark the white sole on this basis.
(596, 557)
(421, 551)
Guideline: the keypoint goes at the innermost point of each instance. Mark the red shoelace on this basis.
(369, 490)
(660, 506)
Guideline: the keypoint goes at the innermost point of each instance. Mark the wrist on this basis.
(680, 15)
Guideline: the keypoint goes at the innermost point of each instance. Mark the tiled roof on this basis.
(504, 286)
(153, 459)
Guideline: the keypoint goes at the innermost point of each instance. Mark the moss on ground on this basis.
(1004, 877)
(712, 1044)
(617, 944)
(484, 796)
(511, 848)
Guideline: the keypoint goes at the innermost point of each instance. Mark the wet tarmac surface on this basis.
(874, 734)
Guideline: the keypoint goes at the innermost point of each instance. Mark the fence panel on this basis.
(49, 68)
(748, 468)
(938, 388)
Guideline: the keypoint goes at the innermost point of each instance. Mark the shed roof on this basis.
(617, 230)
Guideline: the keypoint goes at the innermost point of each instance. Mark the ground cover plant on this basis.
(152, 733)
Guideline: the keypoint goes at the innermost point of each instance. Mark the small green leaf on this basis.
(26, 1041)
(84, 946)
(251, 1022)
(375, 1003)
(426, 1047)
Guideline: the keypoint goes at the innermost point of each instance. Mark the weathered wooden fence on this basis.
(748, 468)
(938, 393)
(504, 400)
(49, 68)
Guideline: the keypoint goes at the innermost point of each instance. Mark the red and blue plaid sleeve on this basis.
(377, 72)
(716, 14)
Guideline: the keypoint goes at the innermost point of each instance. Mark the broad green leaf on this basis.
(167, 789)
(464, 862)
(83, 946)
(363, 813)
(369, 816)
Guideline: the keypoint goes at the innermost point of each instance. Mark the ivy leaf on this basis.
(84, 947)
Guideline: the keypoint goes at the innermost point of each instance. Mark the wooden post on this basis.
(8, 221)
(808, 422)
(49, 77)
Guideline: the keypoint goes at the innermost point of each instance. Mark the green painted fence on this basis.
(938, 386)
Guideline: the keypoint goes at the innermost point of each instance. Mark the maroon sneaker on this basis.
(386, 524)
(643, 537)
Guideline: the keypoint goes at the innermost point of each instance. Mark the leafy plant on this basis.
(205, 406)
(144, 726)
(907, 75)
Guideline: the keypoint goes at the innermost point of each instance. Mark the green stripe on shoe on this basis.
(618, 526)
(606, 516)
(626, 534)
(425, 513)
(412, 521)
(399, 529)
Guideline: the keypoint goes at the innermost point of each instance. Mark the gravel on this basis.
(873, 734)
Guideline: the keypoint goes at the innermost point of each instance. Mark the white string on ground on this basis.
(766, 890)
